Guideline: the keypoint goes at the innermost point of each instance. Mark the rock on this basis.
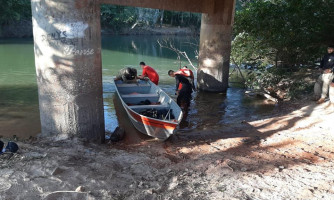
(118, 134)
(155, 185)
(34, 155)
(141, 184)
(57, 171)
(4, 186)
(243, 169)
(149, 191)
(173, 184)
(26, 179)
(306, 194)
(80, 189)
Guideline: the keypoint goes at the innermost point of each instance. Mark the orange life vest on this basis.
(185, 72)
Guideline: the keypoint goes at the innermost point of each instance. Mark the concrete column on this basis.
(215, 47)
(67, 39)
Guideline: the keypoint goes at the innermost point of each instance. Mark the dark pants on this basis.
(184, 98)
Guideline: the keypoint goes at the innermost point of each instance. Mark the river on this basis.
(19, 114)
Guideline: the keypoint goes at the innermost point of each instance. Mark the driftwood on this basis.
(262, 94)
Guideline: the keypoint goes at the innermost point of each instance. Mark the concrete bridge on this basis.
(67, 39)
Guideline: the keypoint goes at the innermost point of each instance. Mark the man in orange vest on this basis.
(187, 73)
(149, 72)
(184, 92)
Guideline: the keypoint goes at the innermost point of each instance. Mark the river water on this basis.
(19, 114)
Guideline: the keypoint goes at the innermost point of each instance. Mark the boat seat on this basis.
(122, 85)
(148, 106)
(128, 88)
(139, 95)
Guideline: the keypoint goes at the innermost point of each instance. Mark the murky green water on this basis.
(19, 113)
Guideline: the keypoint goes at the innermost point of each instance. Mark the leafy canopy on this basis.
(14, 10)
(293, 32)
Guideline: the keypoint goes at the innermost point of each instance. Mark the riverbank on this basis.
(284, 155)
(23, 29)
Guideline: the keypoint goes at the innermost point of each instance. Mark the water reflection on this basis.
(212, 111)
(109, 110)
(19, 112)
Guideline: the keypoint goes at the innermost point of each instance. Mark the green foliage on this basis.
(287, 36)
(14, 10)
(293, 32)
(265, 78)
(182, 19)
(299, 88)
(116, 17)
(248, 51)
(112, 16)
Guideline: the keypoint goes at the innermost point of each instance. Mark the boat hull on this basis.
(161, 129)
(153, 128)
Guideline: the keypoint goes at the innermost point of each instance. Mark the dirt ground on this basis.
(286, 155)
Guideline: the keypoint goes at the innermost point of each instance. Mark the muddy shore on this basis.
(286, 155)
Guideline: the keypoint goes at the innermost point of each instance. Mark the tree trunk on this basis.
(161, 18)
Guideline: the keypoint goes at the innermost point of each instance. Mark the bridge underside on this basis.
(67, 39)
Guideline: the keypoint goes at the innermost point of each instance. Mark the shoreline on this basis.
(23, 29)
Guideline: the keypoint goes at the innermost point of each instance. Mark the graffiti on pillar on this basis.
(71, 50)
(59, 38)
(68, 35)
(73, 30)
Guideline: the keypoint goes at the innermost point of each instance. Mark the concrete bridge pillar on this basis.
(215, 47)
(67, 44)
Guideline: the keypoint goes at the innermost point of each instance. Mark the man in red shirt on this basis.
(149, 72)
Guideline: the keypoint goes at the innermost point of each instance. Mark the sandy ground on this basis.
(287, 155)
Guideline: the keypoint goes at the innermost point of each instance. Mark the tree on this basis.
(14, 10)
(117, 17)
(293, 32)
(148, 16)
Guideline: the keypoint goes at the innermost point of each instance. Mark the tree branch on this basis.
(169, 45)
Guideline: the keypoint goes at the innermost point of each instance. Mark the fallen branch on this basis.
(262, 94)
